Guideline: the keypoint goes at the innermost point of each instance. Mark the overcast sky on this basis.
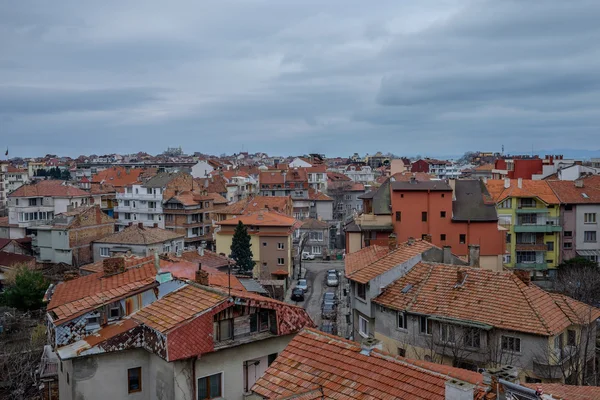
(290, 77)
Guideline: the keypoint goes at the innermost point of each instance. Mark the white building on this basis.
(359, 173)
(299, 163)
(202, 169)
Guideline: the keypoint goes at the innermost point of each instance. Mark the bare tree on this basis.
(337, 191)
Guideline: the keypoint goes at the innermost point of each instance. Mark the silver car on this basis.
(302, 284)
(332, 280)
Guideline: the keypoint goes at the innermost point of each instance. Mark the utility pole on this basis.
(301, 245)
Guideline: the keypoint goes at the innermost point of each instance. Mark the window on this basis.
(61, 366)
(32, 202)
(589, 218)
(148, 191)
(361, 290)
(511, 343)
(134, 380)
(316, 249)
(472, 337)
(569, 207)
(425, 325)
(264, 244)
(114, 311)
(567, 245)
(447, 333)
(443, 237)
(401, 352)
(318, 236)
(280, 246)
(568, 234)
(270, 358)
(571, 338)
(550, 246)
(93, 321)
(127, 203)
(68, 380)
(505, 204)
(127, 215)
(508, 238)
(224, 329)
(104, 252)
(363, 326)
(167, 248)
(462, 238)
(169, 218)
(589, 236)
(424, 216)
(443, 195)
(280, 261)
(133, 204)
(210, 387)
(442, 214)
(529, 203)
(398, 216)
(151, 204)
(263, 318)
(402, 323)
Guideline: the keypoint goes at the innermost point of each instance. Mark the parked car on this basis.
(329, 327)
(330, 297)
(334, 271)
(328, 311)
(307, 256)
(297, 294)
(302, 284)
(332, 280)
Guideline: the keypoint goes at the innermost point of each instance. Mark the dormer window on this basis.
(114, 311)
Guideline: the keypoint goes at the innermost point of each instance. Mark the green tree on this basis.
(65, 175)
(240, 248)
(27, 291)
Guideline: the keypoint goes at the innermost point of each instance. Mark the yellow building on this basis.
(270, 239)
(529, 210)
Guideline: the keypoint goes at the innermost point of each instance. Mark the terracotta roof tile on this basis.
(529, 188)
(315, 361)
(568, 193)
(367, 263)
(281, 204)
(567, 392)
(120, 176)
(498, 299)
(261, 218)
(318, 196)
(48, 188)
(312, 223)
(140, 235)
(208, 259)
(12, 259)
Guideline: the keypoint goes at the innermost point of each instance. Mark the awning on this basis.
(587, 253)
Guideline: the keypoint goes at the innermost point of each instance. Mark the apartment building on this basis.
(293, 182)
(523, 167)
(359, 173)
(37, 203)
(68, 237)
(143, 201)
(317, 177)
(271, 236)
(530, 211)
(149, 334)
(474, 319)
(579, 213)
(317, 241)
(346, 198)
(191, 214)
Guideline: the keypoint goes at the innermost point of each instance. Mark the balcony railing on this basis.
(545, 225)
(555, 366)
(139, 196)
(537, 266)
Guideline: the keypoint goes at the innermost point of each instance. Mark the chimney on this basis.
(411, 241)
(201, 276)
(156, 262)
(474, 255)
(392, 241)
(458, 390)
(523, 275)
(579, 183)
(447, 255)
(113, 265)
(368, 344)
(201, 251)
(506, 183)
(520, 183)
(155, 225)
(461, 275)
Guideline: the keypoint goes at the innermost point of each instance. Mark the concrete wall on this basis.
(568, 222)
(581, 226)
(230, 362)
(201, 170)
(324, 210)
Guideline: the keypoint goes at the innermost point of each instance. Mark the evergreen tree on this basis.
(240, 248)
(27, 292)
(65, 175)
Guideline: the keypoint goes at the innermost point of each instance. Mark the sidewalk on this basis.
(344, 329)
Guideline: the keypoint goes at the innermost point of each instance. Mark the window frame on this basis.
(470, 339)
(447, 333)
(280, 261)
(104, 251)
(462, 238)
(398, 216)
(590, 234)
(362, 320)
(358, 291)
(423, 216)
(442, 214)
(425, 325)
(206, 379)
(514, 347)
(401, 320)
(442, 237)
(139, 389)
(280, 246)
(589, 218)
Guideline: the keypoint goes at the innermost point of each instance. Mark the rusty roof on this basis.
(48, 188)
(314, 360)
(529, 188)
(257, 203)
(367, 263)
(121, 176)
(498, 299)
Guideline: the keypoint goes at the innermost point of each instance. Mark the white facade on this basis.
(360, 174)
(140, 204)
(299, 163)
(28, 212)
(202, 169)
(317, 181)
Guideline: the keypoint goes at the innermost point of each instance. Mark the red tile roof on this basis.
(529, 188)
(567, 392)
(336, 176)
(75, 297)
(183, 269)
(282, 204)
(318, 196)
(367, 263)
(208, 259)
(567, 192)
(261, 218)
(12, 259)
(143, 235)
(271, 177)
(315, 361)
(406, 175)
(498, 299)
(177, 307)
(121, 176)
(48, 188)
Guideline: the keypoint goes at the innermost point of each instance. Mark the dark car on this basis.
(329, 327)
(297, 294)
(330, 298)
(328, 311)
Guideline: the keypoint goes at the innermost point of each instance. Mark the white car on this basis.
(332, 279)
(307, 256)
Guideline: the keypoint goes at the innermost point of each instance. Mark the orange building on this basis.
(459, 217)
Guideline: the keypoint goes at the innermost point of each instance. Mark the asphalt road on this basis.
(316, 272)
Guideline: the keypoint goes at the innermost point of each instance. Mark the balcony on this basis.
(535, 266)
(539, 224)
(556, 365)
(530, 247)
(139, 196)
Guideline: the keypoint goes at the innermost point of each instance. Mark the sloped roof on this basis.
(312, 223)
(567, 392)
(184, 269)
(177, 307)
(12, 259)
(136, 234)
(261, 218)
(48, 188)
(257, 203)
(529, 188)
(473, 202)
(406, 175)
(336, 176)
(568, 193)
(498, 299)
(314, 360)
(121, 176)
(318, 196)
(161, 179)
(365, 264)
(209, 258)
(77, 296)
